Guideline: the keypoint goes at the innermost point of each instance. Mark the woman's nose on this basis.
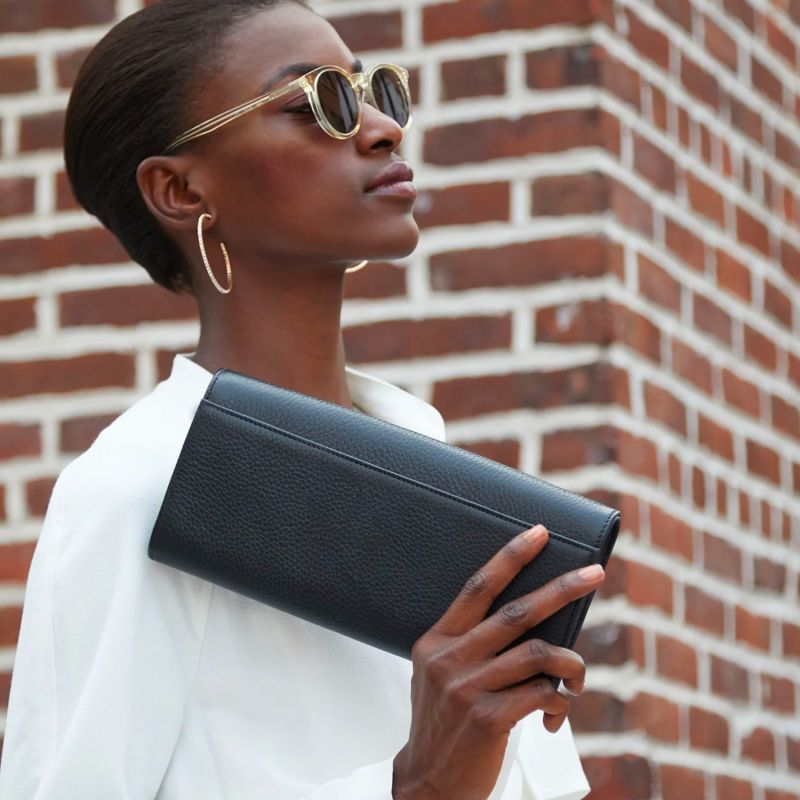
(377, 129)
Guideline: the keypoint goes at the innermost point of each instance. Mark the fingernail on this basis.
(535, 534)
(590, 573)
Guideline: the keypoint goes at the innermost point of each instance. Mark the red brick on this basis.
(719, 44)
(77, 435)
(15, 561)
(483, 140)
(752, 629)
(597, 712)
(570, 449)
(370, 30)
(382, 279)
(777, 304)
(42, 131)
(743, 11)
(657, 285)
(504, 451)
(651, 43)
(654, 164)
(16, 195)
(721, 558)
(705, 200)
(463, 205)
(124, 305)
(29, 17)
(478, 77)
(709, 317)
(19, 440)
(17, 74)
(763, 461)
(729, 679)
(621, 81)
(688, 247)
(485, 394)
(777, 794)
(659, 108)
(619, 777)
(558, 67)
(630, 209)
(10, 618)
(655, 716)
(37, 495)
(760, 349)
(676, 660)
(704, 611)
(698, 487)
(89, 246)
(587, 321)
(646, 586)
(681, 783)
(733, 788)
(741, 393)
(787, 150)
(751, 231)
(638, 456)
(17, 315)
(765, 81)
(65, 199)
(68, 64)
(745, 119)
(691, 366)
(715, 437)
(679, 11)
(409, 338)
(610, 643)
(791, 640)
(664, 407)
(777, 694)
(556, 195)
(733, 276)
(525, 264)
(793, 753)
(99, 370)
(785, 417)
(637, 332)
(780, 43)
(708, 731)
(759, 745)
(722, 498)
(670, 533)
(699, 83)
(476, 17)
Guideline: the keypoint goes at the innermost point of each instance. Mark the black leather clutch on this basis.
(355, 523)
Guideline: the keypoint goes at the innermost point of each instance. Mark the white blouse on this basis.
(135, 681)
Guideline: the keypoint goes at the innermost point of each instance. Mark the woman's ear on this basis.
(165, 187)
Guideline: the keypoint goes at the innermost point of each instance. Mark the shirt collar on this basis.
(372, 395)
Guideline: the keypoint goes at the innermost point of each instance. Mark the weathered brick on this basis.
(708, 730)
(777, 694)
(463, 205)
(526, 264)
(558, 67)
(728, 679)
(721, 558)
(474, 77)
(408, 338)
(556, 195)
(570, 449)
(370, 30)
(587, 321)
(124, 305)
(57, 376)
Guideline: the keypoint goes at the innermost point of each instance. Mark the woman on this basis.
(134, 680)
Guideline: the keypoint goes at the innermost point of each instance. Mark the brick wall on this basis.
(607, 292)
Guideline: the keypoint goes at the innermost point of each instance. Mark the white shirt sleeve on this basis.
(108, 651)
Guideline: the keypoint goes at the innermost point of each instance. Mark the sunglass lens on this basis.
(338, 100)
(390, 95)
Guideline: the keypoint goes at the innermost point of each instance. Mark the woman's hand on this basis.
(465, 699)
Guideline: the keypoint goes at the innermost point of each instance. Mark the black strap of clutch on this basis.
(355, 523)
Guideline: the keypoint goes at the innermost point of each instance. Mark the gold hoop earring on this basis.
(357, 266)
(205, 257)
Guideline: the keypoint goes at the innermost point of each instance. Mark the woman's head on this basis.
(278, 188)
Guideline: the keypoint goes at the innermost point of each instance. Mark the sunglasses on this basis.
(335, 97)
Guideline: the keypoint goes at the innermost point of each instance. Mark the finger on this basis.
(517, 616)
(480, 591)
(527, 660)
(516, 703)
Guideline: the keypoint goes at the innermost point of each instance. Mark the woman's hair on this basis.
(130, 100)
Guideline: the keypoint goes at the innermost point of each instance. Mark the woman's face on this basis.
(280, 185)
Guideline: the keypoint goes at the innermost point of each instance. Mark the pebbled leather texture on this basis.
(355, 523)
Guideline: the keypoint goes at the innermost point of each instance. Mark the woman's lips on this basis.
(395, 181)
